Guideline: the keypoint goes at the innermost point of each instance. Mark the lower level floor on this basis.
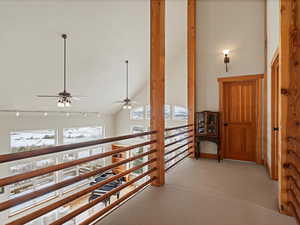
(206, 192)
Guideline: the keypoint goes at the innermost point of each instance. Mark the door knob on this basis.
(225, 124)
(276, 129)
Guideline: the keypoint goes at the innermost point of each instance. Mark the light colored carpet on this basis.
(203, 192)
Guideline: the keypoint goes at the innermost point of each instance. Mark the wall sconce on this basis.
(226, 58)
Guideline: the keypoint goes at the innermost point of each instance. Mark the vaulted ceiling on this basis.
(102, 35)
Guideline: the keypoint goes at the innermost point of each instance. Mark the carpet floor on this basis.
(205, 192)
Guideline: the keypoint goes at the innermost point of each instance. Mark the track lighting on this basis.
(18, 113)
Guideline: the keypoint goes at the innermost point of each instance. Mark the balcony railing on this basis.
(185, 135)
(181, 138)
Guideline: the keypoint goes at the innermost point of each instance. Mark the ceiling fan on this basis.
(64, 98)
(127, 103)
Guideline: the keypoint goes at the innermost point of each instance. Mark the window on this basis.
(167, 112)
(137, 113)
(23, 141)
(75, 135)
(81, 134)
(148, 112)
(180, 113)
(138, 162)
(136, 129)
(26, 186)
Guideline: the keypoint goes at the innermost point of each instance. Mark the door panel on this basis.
(240, 115)
(275, 118)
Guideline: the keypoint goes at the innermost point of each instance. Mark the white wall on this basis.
(229, 24)
(175, 71)
(273, 35)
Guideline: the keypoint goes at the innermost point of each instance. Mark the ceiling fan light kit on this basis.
(127, 106)
(64, 97)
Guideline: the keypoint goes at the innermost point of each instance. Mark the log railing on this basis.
(292, 167)
(150, 173)
(178, 146)
(183, 145)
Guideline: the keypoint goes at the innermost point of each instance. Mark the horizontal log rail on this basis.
(4, 205)
(177, 141)
(294, 154)
(294, 140)
(180, 127)
(294, 211)
(115, 203)
(179, 147)
(181, 133)
(100, 199)
(16, 201)
(50, 169)
(293, 185)
(292, 167)
(180, 153)
(55, 149)
(293, 198)
(76, 195)
(174, 164)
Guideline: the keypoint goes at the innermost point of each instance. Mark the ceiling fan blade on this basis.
(77, 97)
(119, 102)
(47, 96)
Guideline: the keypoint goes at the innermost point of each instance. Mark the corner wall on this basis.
(273, 36)
(229, 24)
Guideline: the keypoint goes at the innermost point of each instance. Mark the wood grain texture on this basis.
(240, 107)
(259, 99)
(288, 80)
(275, 93)
(87, 206)
(38, 172)
(157, 83)
(208, 156)
(70, 198)
(50, 150)
(265, 109)
(27, 197)
(191, 63)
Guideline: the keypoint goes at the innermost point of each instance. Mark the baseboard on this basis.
(208, 156)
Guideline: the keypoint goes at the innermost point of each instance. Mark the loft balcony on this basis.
(160, 112)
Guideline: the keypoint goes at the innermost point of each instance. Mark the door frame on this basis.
(275, 114)
(258, 80)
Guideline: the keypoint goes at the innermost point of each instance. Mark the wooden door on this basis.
(275, 118)
(239, 118)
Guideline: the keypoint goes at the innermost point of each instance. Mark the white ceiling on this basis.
(102, 35)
